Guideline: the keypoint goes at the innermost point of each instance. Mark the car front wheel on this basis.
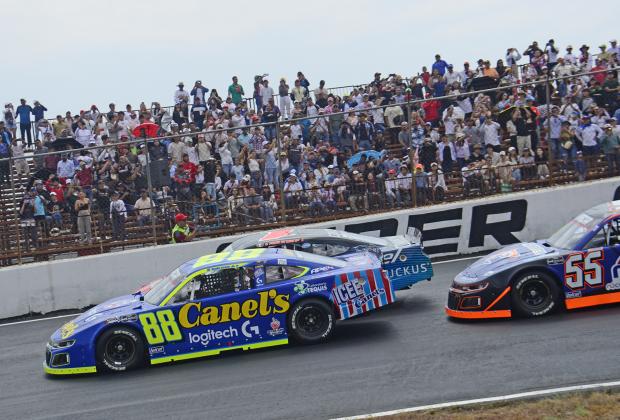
(535, 294)
(311, 321)
(120, 349)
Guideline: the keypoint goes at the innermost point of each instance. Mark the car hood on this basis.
(108, 311)
(502, 259)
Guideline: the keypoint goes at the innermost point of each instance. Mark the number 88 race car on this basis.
(578, 266)
(231, 300)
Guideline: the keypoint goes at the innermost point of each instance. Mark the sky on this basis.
(70, 54)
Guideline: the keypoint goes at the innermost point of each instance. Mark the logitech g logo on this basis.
(252, 329)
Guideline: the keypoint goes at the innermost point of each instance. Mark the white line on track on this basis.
(521, 395)
(28, 321)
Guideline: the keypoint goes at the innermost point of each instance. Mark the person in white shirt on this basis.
(118, 214)
(589, 134)
(181, 95)
(490, 132)
(266, 92)
(83, 135)
(451, 76)
(143, 207)
(569, 57)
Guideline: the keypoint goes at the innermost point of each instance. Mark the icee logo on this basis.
(615, 277)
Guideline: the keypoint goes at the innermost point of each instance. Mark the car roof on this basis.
(278, 256)
(604, 210)
(294, 234)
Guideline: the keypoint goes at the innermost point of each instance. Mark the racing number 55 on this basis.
(583, 268)
(160, 326)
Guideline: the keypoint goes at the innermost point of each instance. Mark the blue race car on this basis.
(402, 256)
(578, 266)
(231, 300)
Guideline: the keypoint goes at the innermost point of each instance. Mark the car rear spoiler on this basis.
(414, 235)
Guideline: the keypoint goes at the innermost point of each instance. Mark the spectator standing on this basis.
(38, 111)
(25, 126)
(82, 209)
(285, 99)
(199, 91)
(610, 143)
(9, 118)
(439, 65)
(143, 207)
(320, 95)
(235, 91)
(589, 134)
(181, 95)
(21, 165)
(118, 214)
(266, 92)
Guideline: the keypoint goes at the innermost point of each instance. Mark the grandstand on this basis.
(425, 140)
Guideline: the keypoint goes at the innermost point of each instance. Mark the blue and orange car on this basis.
(577, 267)
(243, 299)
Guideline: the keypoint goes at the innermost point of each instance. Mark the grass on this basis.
(603, 405)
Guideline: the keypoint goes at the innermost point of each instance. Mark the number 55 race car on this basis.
(231, 300)
(402, 256)
(578, 266)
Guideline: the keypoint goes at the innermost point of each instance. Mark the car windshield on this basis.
(569, 235)
(164, 287)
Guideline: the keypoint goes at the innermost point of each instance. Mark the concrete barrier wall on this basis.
(448, 229)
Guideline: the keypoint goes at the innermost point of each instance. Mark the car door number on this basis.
(584, 268)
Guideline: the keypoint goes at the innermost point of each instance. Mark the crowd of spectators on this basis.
(330, 152)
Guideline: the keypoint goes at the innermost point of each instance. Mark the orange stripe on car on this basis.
(583, 302)
(498, 298)
(479, 315)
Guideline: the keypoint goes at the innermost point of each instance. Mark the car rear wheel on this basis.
(534, 294)
(311, 321)
(120, 349)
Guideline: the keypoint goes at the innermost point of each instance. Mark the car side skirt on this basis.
(596, 300)
(194, 355)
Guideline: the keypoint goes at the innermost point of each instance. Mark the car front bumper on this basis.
(490, 302)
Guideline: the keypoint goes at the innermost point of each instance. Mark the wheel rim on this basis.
(535, 294)
(312, 320)
(120, 350)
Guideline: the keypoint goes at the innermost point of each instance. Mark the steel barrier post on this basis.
(414, 195)
(280, 174)
(15, 212)
(150, 191)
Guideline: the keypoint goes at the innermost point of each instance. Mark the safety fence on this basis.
(30, 235)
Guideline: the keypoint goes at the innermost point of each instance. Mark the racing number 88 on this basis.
(160, 329)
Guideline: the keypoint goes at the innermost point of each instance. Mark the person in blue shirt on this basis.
(439, 64)
(25, 127)
(38, 111)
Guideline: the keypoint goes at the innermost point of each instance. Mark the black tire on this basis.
(534, 294)
(120, 349)
(311, 321)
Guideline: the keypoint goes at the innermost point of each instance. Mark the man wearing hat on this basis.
(569, 57)
(181, 95)
(181, 232)
(610, 142)
(292, 190)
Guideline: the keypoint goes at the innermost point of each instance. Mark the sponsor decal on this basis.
(321, 269)
(276, 234)
(275, 328)
(156, 350)
(302, 288)
(555, 260)
(615, 277)
(209, 335)
(409, 270)
(122, 318)
(573, 294)
(402, 257)
(353, 291)
(281, 261)
(67, 330)
(259, 275)
(249, 330)
(194, 314)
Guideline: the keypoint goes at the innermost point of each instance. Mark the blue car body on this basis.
(402, 257)
(253, 315)
(582, 258)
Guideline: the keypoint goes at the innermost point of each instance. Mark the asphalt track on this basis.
(406, 355)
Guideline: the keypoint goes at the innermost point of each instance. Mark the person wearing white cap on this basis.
(614, 49)
(569, 57)
(181, 95)
(292, 190)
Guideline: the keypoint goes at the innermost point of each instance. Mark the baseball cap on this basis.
(179, 217)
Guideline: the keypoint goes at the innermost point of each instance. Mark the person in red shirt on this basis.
(53, 186)
(188, 167)
(84, 177)
(431, 111)
(599, 77)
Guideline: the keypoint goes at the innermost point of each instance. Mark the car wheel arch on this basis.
(536, 269)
